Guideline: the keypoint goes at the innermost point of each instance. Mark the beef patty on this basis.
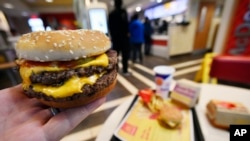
(57, 78)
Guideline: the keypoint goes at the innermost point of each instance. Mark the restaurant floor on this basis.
(141, 77)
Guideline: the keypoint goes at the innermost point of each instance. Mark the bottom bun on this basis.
(83, 100)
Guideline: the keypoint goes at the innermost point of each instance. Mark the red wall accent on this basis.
(238, 40)
(63, 20)
(162, 43)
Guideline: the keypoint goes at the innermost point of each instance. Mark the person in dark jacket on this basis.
(118, 27)
(136, 30)
(164, 27)
(148, 31)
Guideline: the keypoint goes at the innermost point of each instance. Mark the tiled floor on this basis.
(142, 77)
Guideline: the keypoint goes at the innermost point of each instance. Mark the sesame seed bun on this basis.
(61, 45)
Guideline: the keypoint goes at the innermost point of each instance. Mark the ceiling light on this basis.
(31, 1)
(158, 1)
(112, 3)
(8, 5)
(49, 1)
(24, 13)
(138, 9)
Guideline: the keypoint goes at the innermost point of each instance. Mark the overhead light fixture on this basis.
(138, 9)
(31, 1)
(49, 1)
(158, 1)
(25, 14)
(112, 3)
(8, 5)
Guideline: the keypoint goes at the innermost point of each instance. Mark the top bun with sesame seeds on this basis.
(61, 45)
(66, 68)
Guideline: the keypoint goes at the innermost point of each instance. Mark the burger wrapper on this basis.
(224, 113)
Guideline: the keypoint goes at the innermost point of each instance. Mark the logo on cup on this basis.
(159, 80)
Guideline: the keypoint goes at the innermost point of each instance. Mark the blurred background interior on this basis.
(202, 39)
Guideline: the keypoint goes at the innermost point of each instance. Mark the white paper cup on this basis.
(163, 78)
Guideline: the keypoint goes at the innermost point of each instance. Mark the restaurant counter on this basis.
(160, 46)
(169, 45)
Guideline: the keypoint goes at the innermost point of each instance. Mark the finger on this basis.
(16, 92)
(34, 115)
(42, 116)
(64, 122)
(15, 96)
(21, 116)
(17, 88)
(32, 102)
(12, 93)
(27, 106)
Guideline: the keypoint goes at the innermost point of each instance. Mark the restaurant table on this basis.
(220, 92)
(208, 92)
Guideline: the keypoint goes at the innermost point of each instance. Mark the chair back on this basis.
(231, 68)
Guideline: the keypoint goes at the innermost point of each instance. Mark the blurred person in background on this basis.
(156, 26)
(4, 38)
(118, 27)
(136, 30)
(164, 27)
(148, 31)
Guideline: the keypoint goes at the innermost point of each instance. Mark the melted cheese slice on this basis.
(71, 86)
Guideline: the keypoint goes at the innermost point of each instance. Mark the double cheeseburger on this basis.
(66, 68)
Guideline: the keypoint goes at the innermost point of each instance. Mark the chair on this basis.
(203, 74)
(231, 68)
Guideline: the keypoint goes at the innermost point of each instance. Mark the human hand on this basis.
(26, 119)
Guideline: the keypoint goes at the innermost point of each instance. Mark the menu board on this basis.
(166, 9)
(98, 19)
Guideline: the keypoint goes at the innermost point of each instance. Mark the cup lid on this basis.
(164, 69)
